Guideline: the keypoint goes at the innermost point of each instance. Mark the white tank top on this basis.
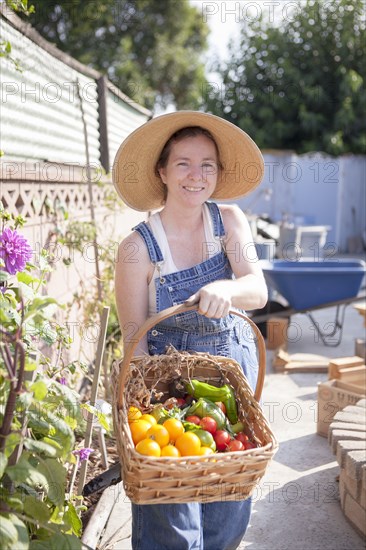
(213, 246)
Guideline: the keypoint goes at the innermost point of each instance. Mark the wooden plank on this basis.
(355, 388)
(94, 392)
(341, 363)
(299, 362)
(96, 524)
(353, 375)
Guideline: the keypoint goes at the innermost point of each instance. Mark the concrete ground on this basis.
(296, 506)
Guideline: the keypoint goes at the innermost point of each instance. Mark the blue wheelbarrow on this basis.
(312, 285)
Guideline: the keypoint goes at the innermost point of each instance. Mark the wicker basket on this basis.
(219, 477)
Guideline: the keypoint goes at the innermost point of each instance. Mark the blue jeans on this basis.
(195, 526)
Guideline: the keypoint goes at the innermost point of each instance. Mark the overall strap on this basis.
(218, 226)
(156, 256)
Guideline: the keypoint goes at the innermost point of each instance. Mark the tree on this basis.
(300, 86)
(150, 50)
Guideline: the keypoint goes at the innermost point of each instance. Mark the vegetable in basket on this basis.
(205, 407)
(224, 393)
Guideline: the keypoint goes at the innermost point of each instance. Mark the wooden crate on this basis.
(341, 363)
(332, 397)
(277, 328)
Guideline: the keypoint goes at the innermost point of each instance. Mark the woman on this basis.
(190, 251)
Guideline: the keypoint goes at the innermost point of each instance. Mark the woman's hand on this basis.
(214, 299)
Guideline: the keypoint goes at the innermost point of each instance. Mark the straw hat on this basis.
(134, 167)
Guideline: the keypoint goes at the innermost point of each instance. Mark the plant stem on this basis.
(72, 482)
(13, 392)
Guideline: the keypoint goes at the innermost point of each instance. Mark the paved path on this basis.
(297, 505)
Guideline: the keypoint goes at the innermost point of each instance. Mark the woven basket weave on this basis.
(219, 477)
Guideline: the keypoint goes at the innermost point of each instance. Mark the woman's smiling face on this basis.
(192, 170)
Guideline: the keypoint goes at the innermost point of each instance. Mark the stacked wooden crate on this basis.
(346, 385)
(347, 437)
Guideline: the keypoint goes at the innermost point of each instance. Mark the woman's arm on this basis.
(248, 290)
(132, 272)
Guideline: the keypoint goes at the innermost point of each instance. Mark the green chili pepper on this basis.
(202, 389)
(230, 404)
(225, 394)
(205, 407)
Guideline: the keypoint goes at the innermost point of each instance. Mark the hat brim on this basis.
(134, 174)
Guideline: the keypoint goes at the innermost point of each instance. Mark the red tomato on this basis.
(181, 402)
(249, 445)
(241, 436)
(222, 439)
(209, 424)
(194, 419)
(235, 445)
(221, 405)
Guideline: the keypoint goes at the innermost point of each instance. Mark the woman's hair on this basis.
(190, 131)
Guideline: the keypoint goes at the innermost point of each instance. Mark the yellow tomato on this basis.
(206, 451)
(133, 414)
(149, 418)
(170, 450)
(158, 433)
(188, 444)
(148, 447)
(139, 428)
(174, 427)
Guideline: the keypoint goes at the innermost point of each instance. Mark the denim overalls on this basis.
(216, 525)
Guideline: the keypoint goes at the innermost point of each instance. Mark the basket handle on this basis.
(174, 310)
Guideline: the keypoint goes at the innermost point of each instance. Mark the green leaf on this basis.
(4, 276)
(56, 475)
(26, 291)
(7, 315)
(3, 464)
(36, 509)
(23, 538)
(70, 399)
(59, 449)
(38, 304)
(24, 472)
(72, 422)
(27, 278)
(15, 501)
(29, 366)
(58, 541)
(8, 533)
(12, 440)
(49, 337)
(39, 389)
(38, 446)
(72, 519)
(57, 515)
(102, 419)
(13, 533)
